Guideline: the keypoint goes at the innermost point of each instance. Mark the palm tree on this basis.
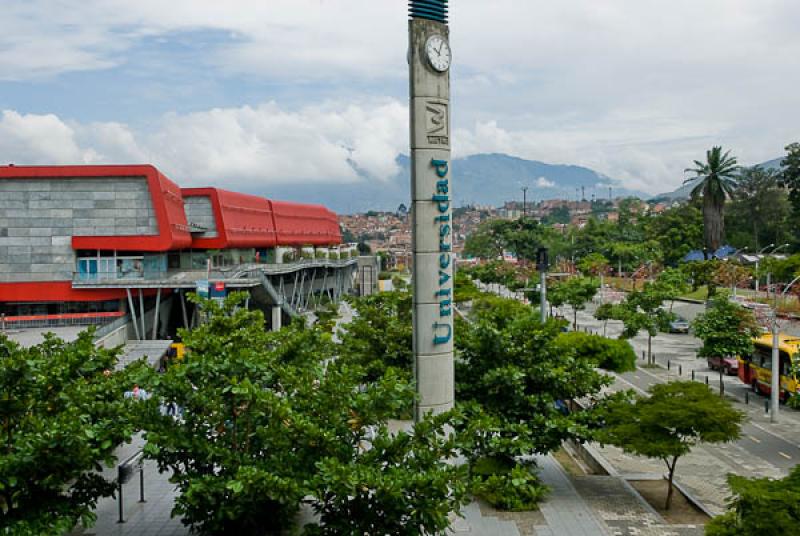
(716, 182)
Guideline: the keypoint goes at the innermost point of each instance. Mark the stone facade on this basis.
(199, 212)
(39, 217)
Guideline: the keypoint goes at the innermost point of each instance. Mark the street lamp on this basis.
(775, 380)
(769, 275)
(758, 258)
(733, 283)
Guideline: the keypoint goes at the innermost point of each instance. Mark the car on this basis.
(728, 365)
(679, 325)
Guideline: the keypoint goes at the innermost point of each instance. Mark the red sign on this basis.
(219, 286)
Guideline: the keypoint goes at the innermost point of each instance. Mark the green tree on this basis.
(758, 213)
(511, 375)
(610, 354)
(577, 292)
(595, 264)
(790, 178)
(673, 283)
(677, 231)
(642, 310)
(726, 329)
(379, 336)
(669, 423)
(760, 506)
(557, 215)
(62, 414)
(270, 419)
(399, 485)
(715, 182)
(605, 312)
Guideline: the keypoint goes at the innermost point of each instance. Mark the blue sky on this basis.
(309, 90)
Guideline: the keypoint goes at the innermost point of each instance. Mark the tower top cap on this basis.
(435, 10)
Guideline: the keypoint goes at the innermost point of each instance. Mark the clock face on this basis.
(438, 51)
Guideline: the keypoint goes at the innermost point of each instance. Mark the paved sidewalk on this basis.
(564, 509)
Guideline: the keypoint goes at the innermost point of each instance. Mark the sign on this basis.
(218, 291)
(201, 287)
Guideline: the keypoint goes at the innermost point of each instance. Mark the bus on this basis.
(756, 370)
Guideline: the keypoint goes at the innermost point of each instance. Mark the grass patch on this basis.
(700, 294)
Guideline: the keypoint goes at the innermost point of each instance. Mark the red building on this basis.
(70, 234)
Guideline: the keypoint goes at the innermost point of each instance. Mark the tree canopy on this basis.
(273, 419)
(669, 423)
(715, 181)
(62, 414)
(760, 506)
(726, 329)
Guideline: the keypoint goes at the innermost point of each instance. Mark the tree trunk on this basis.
(574, 319)
(649, 349)
(670, 488)
(713, 224)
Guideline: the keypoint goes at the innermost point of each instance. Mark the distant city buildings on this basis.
(390, 232)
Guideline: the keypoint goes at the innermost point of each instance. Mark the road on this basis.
(678, 351)
(778, 445)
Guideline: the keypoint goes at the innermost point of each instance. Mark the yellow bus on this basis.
(756, 370)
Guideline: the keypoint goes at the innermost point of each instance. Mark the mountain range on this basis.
(484, 179)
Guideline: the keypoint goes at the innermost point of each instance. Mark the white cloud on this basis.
(635, 90)
(542, 182)
(335, 142)
(37, 139)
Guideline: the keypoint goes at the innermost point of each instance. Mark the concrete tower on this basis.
(429, 59)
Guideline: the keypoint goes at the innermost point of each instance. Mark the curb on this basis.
(690, 300)
(599, 460)
(691, 498)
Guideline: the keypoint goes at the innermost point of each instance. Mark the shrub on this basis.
(609, 354)
(507, 485)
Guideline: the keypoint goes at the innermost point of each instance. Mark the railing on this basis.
(225, 272)
(59, 320)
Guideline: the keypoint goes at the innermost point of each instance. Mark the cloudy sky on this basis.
(245, 92)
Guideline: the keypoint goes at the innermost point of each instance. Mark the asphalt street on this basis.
(678, 351)
(677, 357)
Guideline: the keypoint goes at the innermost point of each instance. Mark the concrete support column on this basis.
(276, 317)
(431, 220)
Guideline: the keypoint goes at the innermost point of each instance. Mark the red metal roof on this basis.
(250, 221)
(243, 221)
(299, 225)
(173, 232)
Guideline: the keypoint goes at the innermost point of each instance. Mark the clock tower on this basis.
(429, 58)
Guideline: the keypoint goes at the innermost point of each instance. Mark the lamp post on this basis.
(734, 282)
(758, 258)
(769, 275)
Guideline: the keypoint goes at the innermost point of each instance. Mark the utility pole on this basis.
(433, 262)
(524, 201)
